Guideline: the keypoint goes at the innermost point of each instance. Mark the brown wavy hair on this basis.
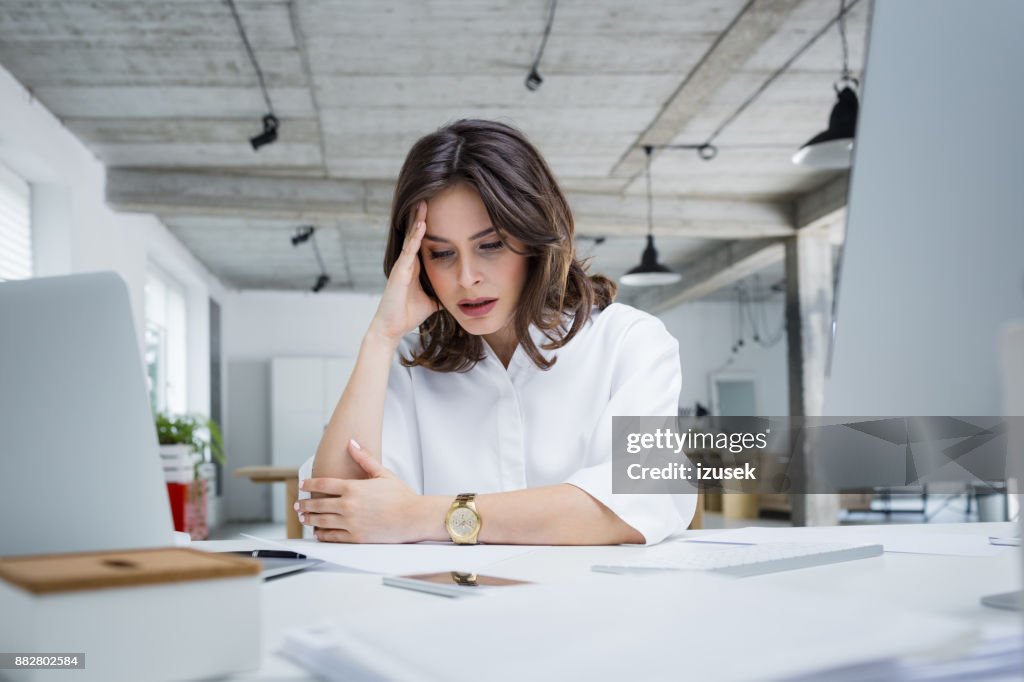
(524, 201)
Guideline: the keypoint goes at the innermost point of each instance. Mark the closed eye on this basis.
(435, 255)
(492, 246)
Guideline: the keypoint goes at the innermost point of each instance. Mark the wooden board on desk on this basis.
(56, 573)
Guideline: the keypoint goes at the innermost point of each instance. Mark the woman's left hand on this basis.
(378, 509)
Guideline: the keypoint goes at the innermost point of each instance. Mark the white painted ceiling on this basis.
(167, 87)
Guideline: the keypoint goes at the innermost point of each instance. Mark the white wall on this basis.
(258, 326)
(75, 231)
(707, 331)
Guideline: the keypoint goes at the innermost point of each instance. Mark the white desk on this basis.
(945, 585)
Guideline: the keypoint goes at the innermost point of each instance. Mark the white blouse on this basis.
(496, 430)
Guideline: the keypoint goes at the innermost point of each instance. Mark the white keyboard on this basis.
(741, 560)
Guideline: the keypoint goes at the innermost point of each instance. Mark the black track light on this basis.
(302, 234)
(307, 233)
(533, 80)
(270, 122)
(269, 134)
(321, 281)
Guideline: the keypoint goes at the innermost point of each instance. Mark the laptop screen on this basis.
(79, 464)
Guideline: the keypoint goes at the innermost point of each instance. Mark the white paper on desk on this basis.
(424, 557)
(900, 539)
(610, 627)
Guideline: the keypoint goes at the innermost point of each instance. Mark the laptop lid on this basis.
(79, 463)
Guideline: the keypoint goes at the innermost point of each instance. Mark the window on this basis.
(15, 227)
(166, 353)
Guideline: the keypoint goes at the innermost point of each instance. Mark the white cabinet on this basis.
(303, 395)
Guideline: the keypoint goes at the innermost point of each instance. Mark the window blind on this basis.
(15, 227)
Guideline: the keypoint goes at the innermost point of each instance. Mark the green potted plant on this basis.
(198, 434)
(185, 441)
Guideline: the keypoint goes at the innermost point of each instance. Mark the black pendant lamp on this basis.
(833, 148)
(650, 272)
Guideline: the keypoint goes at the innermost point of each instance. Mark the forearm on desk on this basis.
(359, 414)
(551, 515)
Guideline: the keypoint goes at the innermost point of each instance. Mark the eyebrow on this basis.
(482, 233)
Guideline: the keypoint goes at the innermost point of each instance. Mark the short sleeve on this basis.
(400, 440)
(306, 471)
(646, 381)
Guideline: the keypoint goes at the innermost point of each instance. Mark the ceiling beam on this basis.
(755, 23)
(177, 193)
(822, 206)
(301, 198)
(675, 216)
(717, 270)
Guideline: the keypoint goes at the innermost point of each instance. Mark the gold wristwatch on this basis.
(463, 520)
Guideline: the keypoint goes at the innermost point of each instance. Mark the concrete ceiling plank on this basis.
(149, 66)
(176, 192)
(173, 101)
(196, 24)
(433, 90)
(734, 46)
(143, 131)
(235, 157)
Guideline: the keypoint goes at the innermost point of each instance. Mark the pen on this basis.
(270, 554)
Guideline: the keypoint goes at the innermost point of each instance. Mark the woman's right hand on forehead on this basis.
(404, 305)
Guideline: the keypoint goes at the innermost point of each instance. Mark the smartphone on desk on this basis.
(449, 583)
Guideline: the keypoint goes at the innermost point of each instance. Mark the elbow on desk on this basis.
(678, 513)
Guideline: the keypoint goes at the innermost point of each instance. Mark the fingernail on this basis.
(302, 518)
(354, 443)
(302, 484)
(296, 506)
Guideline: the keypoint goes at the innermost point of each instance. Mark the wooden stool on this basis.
(290, 476)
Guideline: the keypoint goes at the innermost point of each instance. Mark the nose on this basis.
(469, 272)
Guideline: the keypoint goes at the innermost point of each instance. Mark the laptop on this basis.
(79, 464)
(79, 461)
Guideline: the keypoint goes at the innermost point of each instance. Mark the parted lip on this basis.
(476, 301)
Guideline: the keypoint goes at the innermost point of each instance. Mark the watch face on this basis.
(463, 522)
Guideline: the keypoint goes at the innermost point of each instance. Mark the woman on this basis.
(508, 389)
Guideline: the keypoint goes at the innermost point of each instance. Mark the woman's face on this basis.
(475, 274)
